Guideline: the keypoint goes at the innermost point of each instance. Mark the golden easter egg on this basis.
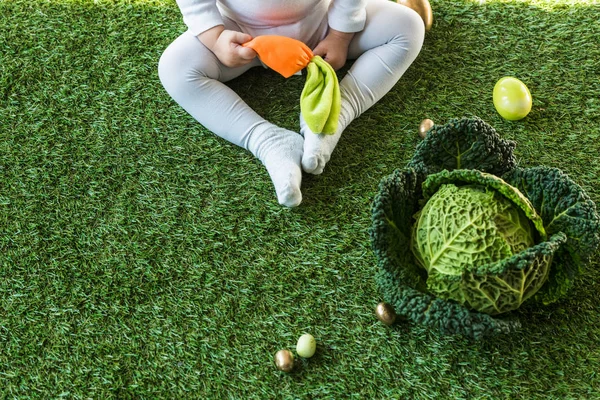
(284, 360)
(385, 313)
(424, 127)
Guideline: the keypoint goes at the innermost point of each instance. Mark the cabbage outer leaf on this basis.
(393, 208)
(467, 143)
(563, 207)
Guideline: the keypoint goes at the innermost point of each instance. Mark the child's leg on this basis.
(390, 42)
(194, 77)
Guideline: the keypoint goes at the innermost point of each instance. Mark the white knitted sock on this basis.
(317, 146)
(280, 151)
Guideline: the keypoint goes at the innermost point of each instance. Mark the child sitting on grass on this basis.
(382, 36)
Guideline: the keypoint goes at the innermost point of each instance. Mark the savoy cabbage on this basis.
(462, 234)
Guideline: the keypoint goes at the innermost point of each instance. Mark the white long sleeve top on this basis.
(201, 15)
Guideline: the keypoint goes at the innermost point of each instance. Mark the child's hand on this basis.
(334, 48)
(227, 46)
(229, 50)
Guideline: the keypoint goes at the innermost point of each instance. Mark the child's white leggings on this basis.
(383, 50)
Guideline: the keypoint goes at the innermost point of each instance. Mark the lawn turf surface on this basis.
(143, 257)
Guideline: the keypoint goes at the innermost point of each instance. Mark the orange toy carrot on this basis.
(320, 101)
(282, 54)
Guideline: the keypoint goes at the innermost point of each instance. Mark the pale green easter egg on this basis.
(512, 98)
(307, 345)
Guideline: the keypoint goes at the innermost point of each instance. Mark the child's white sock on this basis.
(280, 150)
(317, 146)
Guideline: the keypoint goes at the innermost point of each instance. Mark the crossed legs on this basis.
(195, 78)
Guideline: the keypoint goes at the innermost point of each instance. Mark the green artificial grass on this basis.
(143, 257)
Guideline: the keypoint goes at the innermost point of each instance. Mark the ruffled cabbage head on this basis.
(470, 226)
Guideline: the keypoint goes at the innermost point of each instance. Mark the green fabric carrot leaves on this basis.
(320, 100)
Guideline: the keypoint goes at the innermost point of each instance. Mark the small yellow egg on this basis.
(306, 346)
(512, 98)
